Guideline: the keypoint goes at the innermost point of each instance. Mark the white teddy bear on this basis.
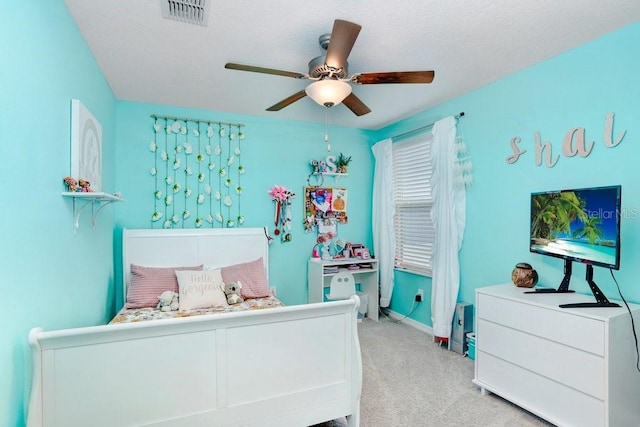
(168, 301)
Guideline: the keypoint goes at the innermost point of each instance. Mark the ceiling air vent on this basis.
(189, 11)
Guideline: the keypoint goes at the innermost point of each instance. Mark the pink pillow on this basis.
(252, 277)
(147, 283)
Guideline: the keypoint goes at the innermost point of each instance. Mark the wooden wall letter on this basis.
(516, 151)
(608, 132)
(546, 148)
(578, 135)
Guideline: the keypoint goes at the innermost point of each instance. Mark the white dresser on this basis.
(572, 367)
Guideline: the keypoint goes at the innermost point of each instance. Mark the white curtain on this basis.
(383, 212)
(448, 215)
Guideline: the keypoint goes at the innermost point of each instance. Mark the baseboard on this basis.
(413, 323)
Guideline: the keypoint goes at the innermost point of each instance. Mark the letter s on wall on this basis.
(516, 151)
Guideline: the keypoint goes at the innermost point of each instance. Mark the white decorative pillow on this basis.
(200, 289)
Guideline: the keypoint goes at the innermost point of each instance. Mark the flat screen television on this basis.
(578, 225)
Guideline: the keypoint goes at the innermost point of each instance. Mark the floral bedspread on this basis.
(128, 315)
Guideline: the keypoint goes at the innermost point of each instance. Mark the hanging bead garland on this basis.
(186, 170)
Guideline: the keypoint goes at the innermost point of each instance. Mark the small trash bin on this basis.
(471, 345)
(364, 303)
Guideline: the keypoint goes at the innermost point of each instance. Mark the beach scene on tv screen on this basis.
(579, 224)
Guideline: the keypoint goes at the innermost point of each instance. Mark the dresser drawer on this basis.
(566, 365)
(581, 332)
(551, 400)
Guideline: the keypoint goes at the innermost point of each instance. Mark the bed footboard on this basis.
(289, 366)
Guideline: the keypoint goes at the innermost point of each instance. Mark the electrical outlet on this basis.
(273, 290)
(419, 295)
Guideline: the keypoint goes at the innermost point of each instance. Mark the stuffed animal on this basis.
(168, 301)
(232, 291)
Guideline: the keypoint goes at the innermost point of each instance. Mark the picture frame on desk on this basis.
(360, 251)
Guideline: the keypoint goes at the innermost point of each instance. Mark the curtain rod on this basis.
(423, 128)
(186, 119)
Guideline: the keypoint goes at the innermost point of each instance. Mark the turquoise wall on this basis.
(51, 278)
(274, 152)
(54, 279)
(576, 89)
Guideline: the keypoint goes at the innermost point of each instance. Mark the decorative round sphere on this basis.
(524, 276)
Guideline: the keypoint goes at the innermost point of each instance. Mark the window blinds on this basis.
(414, 230)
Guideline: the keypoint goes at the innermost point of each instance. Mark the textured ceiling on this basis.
(146, 58)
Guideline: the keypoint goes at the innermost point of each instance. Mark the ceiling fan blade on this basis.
(287, 101)
(343, 37)
(241, 67)
(354, 104)
(394, 77)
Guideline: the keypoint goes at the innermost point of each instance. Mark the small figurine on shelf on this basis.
(71, 183)
(315, 165)
(85, 186)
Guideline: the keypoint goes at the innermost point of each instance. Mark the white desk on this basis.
(319, 278)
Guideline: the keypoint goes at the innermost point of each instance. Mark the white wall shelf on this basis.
(320, 176)
(337, 175)
(97, 200)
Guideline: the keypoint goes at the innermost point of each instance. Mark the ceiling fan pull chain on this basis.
(326, 133)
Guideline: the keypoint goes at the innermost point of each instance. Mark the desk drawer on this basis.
(566, 328)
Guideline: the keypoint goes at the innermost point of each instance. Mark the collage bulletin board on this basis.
(323, 204)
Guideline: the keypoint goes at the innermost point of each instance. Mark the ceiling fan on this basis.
(330, 73)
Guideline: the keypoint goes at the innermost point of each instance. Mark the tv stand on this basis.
(549, 291)
(601, 299)
(589, 305)
(564, 285)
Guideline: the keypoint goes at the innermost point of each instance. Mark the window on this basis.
(413, 227)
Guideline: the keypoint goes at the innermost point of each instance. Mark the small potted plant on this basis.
(343, 162)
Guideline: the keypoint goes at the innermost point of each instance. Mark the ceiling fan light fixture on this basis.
(328, 92)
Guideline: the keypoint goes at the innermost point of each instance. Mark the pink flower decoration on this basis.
(281, 194)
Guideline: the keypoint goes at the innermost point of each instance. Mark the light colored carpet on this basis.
(409, 381)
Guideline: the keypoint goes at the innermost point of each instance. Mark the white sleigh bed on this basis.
(286, 366)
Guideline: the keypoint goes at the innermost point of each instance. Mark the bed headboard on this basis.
(213, 247)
